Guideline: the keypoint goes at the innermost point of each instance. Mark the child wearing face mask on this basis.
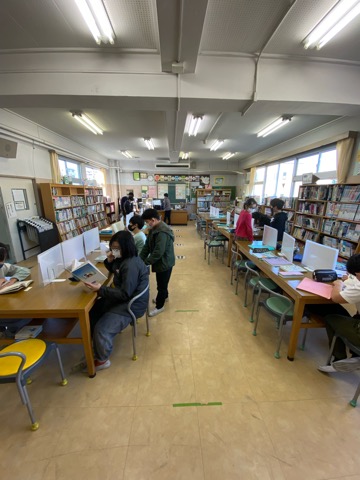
(109, 316)
(10, 274)
(243, 230)
(135, 226)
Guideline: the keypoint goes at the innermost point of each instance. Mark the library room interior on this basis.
(180, 239)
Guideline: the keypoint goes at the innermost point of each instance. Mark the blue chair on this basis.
(17, 363)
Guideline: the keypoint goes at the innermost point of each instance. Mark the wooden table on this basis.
(178, 217)
(65, 303)
(300, 297)
(210, 219)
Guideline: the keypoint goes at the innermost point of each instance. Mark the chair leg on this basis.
(302, 346)
(134, 333)
(209, 253)
(246, 292)
(281, 325)
(353, 402)
(258, 306)
(26, 401)
(331, 350)
(63, 378)
(148, 333)
(237, 282)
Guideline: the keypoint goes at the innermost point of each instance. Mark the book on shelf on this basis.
(15, 287)
(330, 242)
(29, 331)
(88, 273)
(347, 211)
(332, 209)
(353, 232)
(346, 249)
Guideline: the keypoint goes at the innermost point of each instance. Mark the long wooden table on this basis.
(230, 236)
(300, 297)
(209, 219)
(65, 303)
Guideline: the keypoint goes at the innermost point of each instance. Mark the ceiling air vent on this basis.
(172, 166)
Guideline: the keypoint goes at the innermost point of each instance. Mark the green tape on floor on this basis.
(209, 404)
(186, 311)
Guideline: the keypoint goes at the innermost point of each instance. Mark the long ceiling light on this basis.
(126, 153)
(280, 122)
(216, 145)
(332, 23)
(89, 124)
(195, 125)
(184, 155)
(228, 155)
(149, 143)
(96, 18)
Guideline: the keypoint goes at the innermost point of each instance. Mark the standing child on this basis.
(243, 230)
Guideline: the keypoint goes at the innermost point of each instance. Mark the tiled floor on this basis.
(278, 420)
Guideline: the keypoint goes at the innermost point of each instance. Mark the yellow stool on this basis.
(19, 360)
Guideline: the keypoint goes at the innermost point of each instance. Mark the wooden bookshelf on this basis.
(110, 212)
(329, 214)
(74, 208)
(206, 197)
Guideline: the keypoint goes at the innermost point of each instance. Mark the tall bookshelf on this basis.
(110, 212)
(329, 214)
(207, 197)
(74, 208)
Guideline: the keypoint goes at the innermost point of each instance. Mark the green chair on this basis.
(238, 266)
(212, 243)
(252, 279)
(278, 305)
(134, 319)
(353, 348)
(17, 363)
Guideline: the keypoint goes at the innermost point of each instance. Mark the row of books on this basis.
(79, 212)
(346, 249)
(311, 208)
(77, 200)
(303, 234)
(96, 217)
(95, 208)
(62, 202)
(344, 193)
(67, 226)
(94, 199)
(308, 222)
(100, 223)
(318, 192)
(63, 214)
(347, 211)
(93, 191)
(349, 231)
(68, 235)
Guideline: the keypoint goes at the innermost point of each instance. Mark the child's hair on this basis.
(3, 252)
(137, 220)
(277, 202)
(250, 201)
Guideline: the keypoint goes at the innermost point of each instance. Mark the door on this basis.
(13, 208)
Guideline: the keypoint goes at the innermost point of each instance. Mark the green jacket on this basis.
(158, 250)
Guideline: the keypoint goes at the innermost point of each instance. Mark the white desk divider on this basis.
(236, 218)
(288, 246)
(51, 264)
(228, 218)
(270, 236)
(217, 212)
(128, 217)
(91, 240)
(73, 249)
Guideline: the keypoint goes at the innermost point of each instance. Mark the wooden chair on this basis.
(17, 363)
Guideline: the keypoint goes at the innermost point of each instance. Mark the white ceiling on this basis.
(50, 64)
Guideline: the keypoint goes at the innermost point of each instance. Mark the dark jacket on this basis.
(131, 277)
(158, 250)
(279, 221)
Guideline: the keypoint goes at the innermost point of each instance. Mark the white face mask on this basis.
(116, 253)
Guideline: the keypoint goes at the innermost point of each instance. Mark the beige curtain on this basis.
(344, 150)
(55, 169)
(250, 186)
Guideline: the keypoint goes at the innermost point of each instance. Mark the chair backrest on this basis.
(235, 254)
(251, 271)
(130, 304)
(262, 288)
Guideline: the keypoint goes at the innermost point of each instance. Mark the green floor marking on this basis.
(209, 404)
(186, 311)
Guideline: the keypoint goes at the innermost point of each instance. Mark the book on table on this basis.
(292, 268)
(29, 331)
(277, 261)
(15, 287)
(88, 273)
(290, 273)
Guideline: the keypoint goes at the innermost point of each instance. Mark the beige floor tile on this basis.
(95, 428)
(220, 378)
(105, 464)
(165, 425)
(314, 439)
(169, 337)
(175, 462)
(235, 443)
(32, 470)
(165, 380)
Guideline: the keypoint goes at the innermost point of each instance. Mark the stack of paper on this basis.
(29, 331)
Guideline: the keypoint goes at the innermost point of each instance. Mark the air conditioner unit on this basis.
(173, 166)
(7, 148)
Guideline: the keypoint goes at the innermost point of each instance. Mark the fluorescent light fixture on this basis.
(89, 124)
(96, 18)
(216, 145)
(149, 143)
(195, 125)
(343, 12)
(228, 155)
(184, 155)
(280, 122)
(126, 153)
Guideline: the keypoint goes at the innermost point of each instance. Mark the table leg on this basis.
(86, 339)
(230, 243)
(295, 329)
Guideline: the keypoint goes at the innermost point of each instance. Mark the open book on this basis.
(15, 287)
(88, 273)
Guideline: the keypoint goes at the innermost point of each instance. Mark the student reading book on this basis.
(88, 273)
(10, 275)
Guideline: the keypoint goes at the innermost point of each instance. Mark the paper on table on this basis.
(277, 261)
(318, 288)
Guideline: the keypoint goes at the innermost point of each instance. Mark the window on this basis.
(286, 172)
(71, 169)
(94, 176)
(307, 164)
(327, 162)
(271, 180)
(259, 174)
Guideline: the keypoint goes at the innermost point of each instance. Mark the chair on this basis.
(134, 318)
(353, 348)
(19, 360)
(200, 226)
(252, 279)
(280, 306)
(237, 265)
(210, 243)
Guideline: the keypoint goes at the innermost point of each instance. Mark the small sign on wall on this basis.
(20, 198)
